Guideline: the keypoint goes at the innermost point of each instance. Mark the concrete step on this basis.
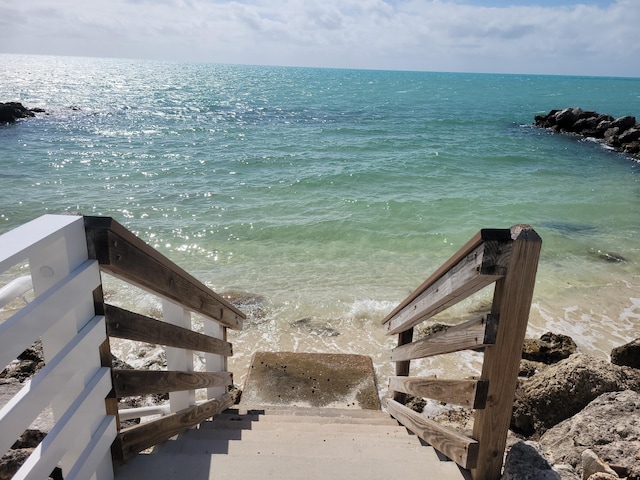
(297, 444)
(379, 418)
(224, 467)
(304, 426)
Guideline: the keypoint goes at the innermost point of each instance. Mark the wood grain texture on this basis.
(402, 368)
(143, 382)
(478, 269)
(459, 448)
(467, 393)
(122, 323)
(470, 335)
(512, 302)
(137, 438)
(126, 256)
(500, 235)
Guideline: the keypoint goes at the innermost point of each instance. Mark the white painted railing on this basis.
(73, 381)
(65, 257)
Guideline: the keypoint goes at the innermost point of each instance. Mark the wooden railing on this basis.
(65, 256)
(125, 256)
(508, 258)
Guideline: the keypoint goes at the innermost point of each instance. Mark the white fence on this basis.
(73, 382)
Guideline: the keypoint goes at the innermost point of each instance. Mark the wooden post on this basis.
(511, 305)
(402, 368)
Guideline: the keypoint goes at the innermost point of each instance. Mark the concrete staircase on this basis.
(293, 443)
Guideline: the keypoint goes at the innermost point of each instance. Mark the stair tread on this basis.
(223, 467)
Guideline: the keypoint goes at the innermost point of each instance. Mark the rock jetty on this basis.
(10, 112)
(621, 134)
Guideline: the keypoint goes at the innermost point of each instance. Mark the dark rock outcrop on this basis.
(562, 390)
(628, 354)
(609, 426)
(550, 348)
(621, 134)
(10, 112)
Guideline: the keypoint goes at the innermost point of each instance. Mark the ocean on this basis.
(323, 197)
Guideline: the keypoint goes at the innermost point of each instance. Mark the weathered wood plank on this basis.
(512, 302)
(142, 382)
(470, 335)
(487, 234)
(402, 368)
(468, 393)
(134, 326)
(459, 448)
(137, 438)
(481, 267)
(126, 256)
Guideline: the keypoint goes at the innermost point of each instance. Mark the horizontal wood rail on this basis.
(467, 393)
(126, 256)
(466, 336)
(508, 258)
(137, 438)
(459, 448)
(123, 255)
(122, 323)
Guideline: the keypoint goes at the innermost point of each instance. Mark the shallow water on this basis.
(332, 194)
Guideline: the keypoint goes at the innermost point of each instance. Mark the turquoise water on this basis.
(331, 193)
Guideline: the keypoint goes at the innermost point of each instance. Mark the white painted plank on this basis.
(215, 363)
(178, 359)
(14, 289)
(86, 411)
(71, 362)
(21, 329)
(17, 244)
(92, 460)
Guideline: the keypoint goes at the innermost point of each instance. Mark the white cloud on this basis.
(404, 34)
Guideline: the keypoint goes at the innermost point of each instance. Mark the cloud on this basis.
(400, 34)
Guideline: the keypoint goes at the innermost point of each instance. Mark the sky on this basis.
(566, 37)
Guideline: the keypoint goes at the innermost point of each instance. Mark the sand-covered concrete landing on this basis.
(311, 380)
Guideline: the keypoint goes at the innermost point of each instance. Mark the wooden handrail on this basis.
(122, 254)
(508, 258)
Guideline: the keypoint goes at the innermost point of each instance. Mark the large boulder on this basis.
(609, 426)
(562, 390)
(628, 354)
(525, 461)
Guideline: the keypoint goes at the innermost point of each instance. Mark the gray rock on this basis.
(525, 461)
(592, 464)
(562, 390)
(550, 348)
(609, 425)
(628, 354)
(624, 122)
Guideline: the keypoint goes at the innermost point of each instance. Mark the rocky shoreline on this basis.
(11, 112)
(621, 134)
(575, 416)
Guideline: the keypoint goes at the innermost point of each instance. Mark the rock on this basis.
(611, 257)
(609, 426)
(10, 112)
(627, 355)
(11, 462)
(26, 365)
(621, 133)
(562, 390)
(603, 476)
(624, 122)
(529, 369)
(550, 348)
(591, 464)
(630, 135)
(525, 461)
